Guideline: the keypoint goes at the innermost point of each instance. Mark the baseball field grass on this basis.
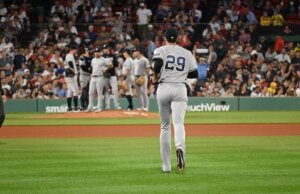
(191, 118)
(132, 165)
(216, 164)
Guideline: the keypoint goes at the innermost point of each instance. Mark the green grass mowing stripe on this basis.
(132, 165)
(83, 121)
(191, 118)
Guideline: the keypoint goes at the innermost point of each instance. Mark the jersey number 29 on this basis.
(177, 63)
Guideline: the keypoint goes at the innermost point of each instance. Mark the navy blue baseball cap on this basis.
(105, 46)
(127, 50)
(97, 50)
(136, 49)
(171, 35)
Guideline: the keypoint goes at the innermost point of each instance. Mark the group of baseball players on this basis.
(96, 74)
(172, 65)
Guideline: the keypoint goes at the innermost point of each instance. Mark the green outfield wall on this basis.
(196, 104)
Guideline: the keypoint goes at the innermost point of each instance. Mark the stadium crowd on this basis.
(232, 59)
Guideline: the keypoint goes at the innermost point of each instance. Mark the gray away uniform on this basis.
(97, 82)
(172, 97)
(140, 69)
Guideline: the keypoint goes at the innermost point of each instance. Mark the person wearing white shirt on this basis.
(283, 56)
(143, 15)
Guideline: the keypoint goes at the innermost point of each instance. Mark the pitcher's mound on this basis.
(104, 114)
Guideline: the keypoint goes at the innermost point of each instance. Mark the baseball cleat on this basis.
(166, 171)
(88, 110)
(70, 109)
(98, 110)
(119, 108)
(76, 109)
(180, 160)
(145, 109)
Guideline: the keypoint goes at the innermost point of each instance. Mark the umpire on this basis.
(85, 71)
(111, 74)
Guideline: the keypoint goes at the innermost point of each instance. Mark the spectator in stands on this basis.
(270, 54)
(5, 64)
(283, 56)
(279, 44)
(150, 48)
(62, 90)
(268, 8)
(3, 12)
(143, 18)
(296, 58)
(280, 92)
(244, 37)
(277, 19)
(160, 14)
(256, 92)
(265, 19)
(195, 14)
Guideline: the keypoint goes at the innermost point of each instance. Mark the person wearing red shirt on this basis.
(279, 44)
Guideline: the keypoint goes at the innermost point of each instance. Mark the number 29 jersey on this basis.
(177, 63)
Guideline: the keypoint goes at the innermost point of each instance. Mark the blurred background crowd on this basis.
(242, 47)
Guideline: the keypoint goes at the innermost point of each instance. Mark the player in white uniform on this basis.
(172, 65)
(127, 71)
(141, 68)
(71, 79)
(97, 81)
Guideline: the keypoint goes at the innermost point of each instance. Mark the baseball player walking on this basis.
(85, 61)
(71, 79)
(111, 74)
(97, 81)
(141, 68)
(127, 71)
(172, 65)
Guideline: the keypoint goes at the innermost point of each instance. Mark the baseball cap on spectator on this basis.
(127, 50)
(171, 35)
(150, 26)
(105, 46)
(142, 4)
(26, 70)
(6, 40)
(28, 91)
(136, 49)
(97, 50)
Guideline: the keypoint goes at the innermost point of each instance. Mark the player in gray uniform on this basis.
(141, 68)
(71, 79)
(97, 81)
(85, 76)
(127, 71)
(172, 65)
